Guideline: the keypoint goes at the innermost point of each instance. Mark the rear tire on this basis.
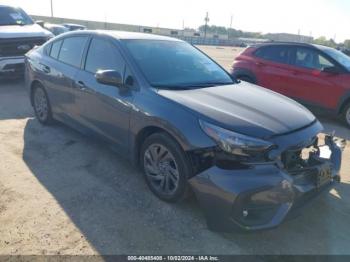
(346, 115)
(41, 104)
(165, 167)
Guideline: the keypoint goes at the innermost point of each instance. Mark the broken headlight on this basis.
(234, 143)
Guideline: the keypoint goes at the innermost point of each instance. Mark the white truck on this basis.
(18, 34)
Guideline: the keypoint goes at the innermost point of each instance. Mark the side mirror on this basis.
(109, 77)
(40, 22)
(331, 70)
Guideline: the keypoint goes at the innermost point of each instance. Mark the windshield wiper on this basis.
(209, 84)
(21, 24)
(173, 87)
(193, 85)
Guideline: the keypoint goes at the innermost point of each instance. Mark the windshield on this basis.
(14, 16)
(340, 57)
(175, 64)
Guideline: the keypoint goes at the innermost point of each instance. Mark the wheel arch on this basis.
(239, 72)
(146, 132)
(344, 100)
(34, 84)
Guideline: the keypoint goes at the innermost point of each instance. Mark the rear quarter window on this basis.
(55, 49)
(47, 49)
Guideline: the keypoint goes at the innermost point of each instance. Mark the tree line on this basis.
(233, 33)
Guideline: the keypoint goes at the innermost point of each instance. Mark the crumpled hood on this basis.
(244, 108)
(18, 31)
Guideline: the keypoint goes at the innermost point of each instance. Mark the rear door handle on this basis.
(259, 63)
(80, 84)
(46, 69)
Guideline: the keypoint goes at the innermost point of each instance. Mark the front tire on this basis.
(345, 115)
(41, 104)
(246, 79)
(165, 167)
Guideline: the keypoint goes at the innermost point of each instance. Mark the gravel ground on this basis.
(61, 193)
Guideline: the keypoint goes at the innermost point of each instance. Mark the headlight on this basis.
(235, 143)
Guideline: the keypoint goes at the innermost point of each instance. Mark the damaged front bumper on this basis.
(262, 196)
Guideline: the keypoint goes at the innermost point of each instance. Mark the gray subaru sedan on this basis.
(252, 157)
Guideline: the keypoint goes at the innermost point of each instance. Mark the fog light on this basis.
(286, 184)
(245, 213)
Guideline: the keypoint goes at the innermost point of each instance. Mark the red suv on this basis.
(314, 75)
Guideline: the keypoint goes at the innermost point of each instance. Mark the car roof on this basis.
(54, 25)
(320, 47)
(124, 35)
(70, 24)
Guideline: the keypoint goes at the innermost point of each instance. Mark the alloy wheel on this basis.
(41, 104)
(161, 169)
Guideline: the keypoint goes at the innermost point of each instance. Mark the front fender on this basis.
(156, 111)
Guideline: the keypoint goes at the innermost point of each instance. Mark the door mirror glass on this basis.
(331, 70)
(109, 77)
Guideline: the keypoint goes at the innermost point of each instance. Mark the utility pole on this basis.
(230, 29)
(183, 27)
(51, 8)
(206, 20)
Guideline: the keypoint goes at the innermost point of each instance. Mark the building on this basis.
(284, 37)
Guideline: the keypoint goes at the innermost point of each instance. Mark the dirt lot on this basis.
(63, 194)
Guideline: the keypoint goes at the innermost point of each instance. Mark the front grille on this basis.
(19, 46)
(298, 157)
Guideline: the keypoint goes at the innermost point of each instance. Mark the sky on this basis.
(329, 18)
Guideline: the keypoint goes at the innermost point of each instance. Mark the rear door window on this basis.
(72, 50)
(278, 54)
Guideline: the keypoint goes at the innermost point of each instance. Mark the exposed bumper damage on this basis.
(261, 196)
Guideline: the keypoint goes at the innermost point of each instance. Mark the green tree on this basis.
(213, 29)
(231, 32)
(324, 41)
(347, 43)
